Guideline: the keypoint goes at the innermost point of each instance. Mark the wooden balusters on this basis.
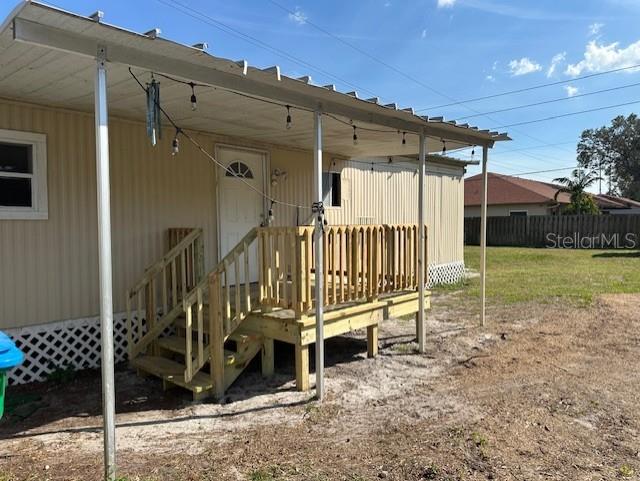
(361, 262)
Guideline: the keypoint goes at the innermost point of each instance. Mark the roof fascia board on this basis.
(46, 36)
(13, 14)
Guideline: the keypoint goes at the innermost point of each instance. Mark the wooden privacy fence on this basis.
(361, 262)
(577, 231)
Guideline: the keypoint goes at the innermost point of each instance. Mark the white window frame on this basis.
(39, 209)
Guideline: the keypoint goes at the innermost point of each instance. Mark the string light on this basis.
(372, 167)
(404, 138)
(194, 101)
(355, 135)
(444, 147)
(289, 123)
(175, 144)
(473, 152)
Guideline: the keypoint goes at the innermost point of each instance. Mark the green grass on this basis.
(521, 274)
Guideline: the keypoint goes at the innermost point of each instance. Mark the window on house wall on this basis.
(23, 175)
(518, 213)
(331, 189)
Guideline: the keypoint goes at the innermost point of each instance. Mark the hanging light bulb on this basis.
(404, 138)
(473, 152)
(444, 147)
(194, 101)
(372, 167)
(289, 123)
(355, 135)
(175, 144)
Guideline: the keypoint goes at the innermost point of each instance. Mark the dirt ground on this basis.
(544, 392)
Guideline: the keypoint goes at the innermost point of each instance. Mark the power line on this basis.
(528, 89)
(545, 102)
(220, 25)
(554, 117)
(478, 179)
(203, 17)
(363, 52)
(535, 147)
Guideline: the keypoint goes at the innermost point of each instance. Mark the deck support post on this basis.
(372, 341)
(420, 321)
(104, 261)
(483, 235)
(319, 247)
(302, 367)
(268, 358)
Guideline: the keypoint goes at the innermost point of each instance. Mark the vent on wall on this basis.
(365, 220)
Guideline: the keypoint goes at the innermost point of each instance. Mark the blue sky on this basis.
(460, 48)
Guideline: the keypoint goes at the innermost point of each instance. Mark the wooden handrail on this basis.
(163, 286)
(165, 260)
(224, 315)
(361, 262)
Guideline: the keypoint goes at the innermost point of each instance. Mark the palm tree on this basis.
(576, 185)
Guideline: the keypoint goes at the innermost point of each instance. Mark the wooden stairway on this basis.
(193, 337)
(168, 363)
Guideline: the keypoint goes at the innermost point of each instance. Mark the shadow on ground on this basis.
(79, 394)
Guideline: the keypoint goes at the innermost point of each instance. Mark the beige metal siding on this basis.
(390, 195)
(48, 268)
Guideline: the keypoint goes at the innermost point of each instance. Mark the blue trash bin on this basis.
(10, 357)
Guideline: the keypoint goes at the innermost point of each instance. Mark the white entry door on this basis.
(241, 207)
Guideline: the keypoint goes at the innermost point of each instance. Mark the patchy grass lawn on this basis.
(517, 274)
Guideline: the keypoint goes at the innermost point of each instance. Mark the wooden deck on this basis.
(223, 319)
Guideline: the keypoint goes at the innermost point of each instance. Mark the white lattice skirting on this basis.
(76, 343)
(68, 344)
(449, 273)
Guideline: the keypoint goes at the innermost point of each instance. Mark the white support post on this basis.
(104, 258)
(319, 244)
(420, 322)
(483, 236)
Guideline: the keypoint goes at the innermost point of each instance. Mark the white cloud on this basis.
(555, 61)
(424, 33)
(446, 3)
(595, 28)
(298, 16)
(571, 90)
(598, 58)
(490, 78)
(523, 66)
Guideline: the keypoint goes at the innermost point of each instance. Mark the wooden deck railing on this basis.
(361, 262)
(163, 286)
(228, 287)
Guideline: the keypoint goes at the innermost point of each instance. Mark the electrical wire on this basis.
(182, 132)
(546, 102)
(349, 123)
(203, 17)
(528, 89)
(570, 114)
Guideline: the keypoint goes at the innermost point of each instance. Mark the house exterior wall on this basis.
(48, 268)
(504, 210)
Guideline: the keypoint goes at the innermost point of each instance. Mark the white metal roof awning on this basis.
(48, 55)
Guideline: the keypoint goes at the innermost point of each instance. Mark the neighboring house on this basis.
(189, 252)
(515, 196)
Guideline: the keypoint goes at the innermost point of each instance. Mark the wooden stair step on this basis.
(173, 372)
(240, 335)
(177, 344)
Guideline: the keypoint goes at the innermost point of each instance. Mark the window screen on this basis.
(16, 175)
(331, 189)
